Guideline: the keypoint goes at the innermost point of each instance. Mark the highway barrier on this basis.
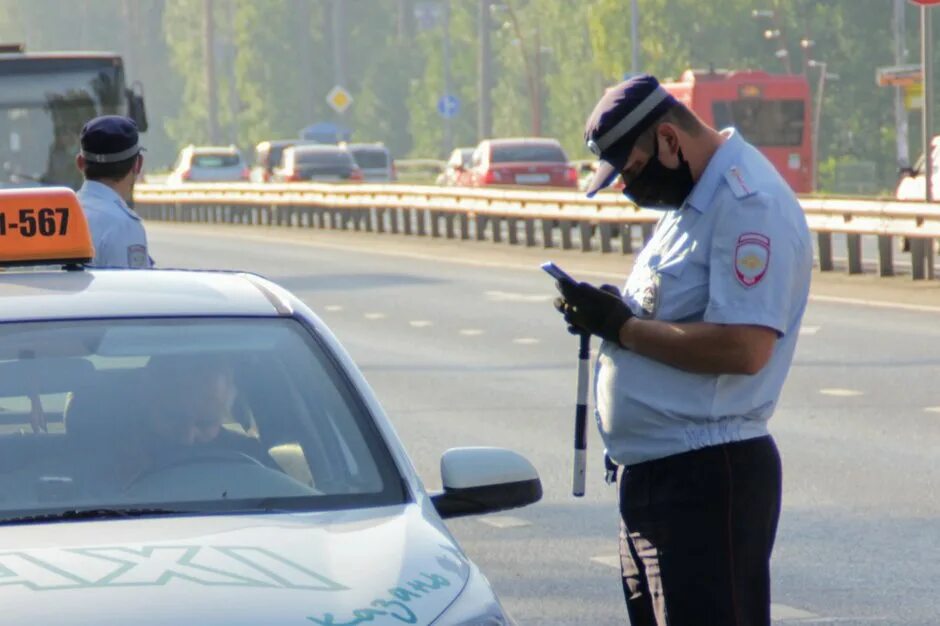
(531, 217)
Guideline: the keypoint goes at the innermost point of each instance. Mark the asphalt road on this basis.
(462, 346)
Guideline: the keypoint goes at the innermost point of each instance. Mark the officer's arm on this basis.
(701, 347)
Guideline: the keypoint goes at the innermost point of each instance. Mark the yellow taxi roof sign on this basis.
(43, 226)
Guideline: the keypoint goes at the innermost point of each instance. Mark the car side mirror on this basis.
(136, 109)
(485, 480)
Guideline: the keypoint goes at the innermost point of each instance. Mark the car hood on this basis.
(390, 565)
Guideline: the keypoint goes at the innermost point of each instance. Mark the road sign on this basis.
(339, 99)
(914, 97)
(899, 75)
(428, 15)
(448, 106)
(925, 3)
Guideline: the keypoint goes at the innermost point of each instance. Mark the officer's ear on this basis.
(80, 162)
(139, 164)
(668, 133)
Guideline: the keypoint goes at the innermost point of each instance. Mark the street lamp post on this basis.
(533, 67)
(817, 114)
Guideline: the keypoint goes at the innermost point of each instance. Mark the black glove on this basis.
(598, 311)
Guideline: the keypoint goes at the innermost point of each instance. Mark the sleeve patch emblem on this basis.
(751, 258)
(137, 256)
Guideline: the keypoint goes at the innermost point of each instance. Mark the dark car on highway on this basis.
(317, 163)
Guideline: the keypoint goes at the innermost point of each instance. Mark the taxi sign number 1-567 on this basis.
(32, 222)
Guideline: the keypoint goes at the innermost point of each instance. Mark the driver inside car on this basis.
(189, 401)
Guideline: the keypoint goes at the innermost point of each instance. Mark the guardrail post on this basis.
(626, 238)
(481, 227)
(464, 226)
(853, 242)
(918, 258)
(512, 225)
(885, 255)
(566, 227)
(422, 218)
(929, 249)
(379, 217)
(548, 234)
(449, 225)
(824, 241)
(394, 220)
(529, 225)
(606, 234)
(497, 227)
(406, 215)
(646, 230)
(587, 234)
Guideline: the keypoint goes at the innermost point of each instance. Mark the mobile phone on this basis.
(557, 273)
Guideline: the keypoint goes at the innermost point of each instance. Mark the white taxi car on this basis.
(192, 447)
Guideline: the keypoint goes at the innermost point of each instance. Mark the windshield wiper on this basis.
(87, 514)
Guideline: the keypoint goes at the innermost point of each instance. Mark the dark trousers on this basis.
(696, 535)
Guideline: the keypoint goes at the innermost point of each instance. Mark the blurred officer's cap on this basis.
(109, 139)
(618, 119)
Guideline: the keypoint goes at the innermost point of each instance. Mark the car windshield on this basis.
(528, 153)
(195, 415)
(323, 157)
(216, 160)
(370, 158)
(763, 122)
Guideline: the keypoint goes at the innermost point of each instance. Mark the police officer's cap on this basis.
(620, 117)
(110, 139)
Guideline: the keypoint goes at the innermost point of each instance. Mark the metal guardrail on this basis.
(528, 217)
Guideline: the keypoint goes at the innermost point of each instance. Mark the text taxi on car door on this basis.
(196, 447)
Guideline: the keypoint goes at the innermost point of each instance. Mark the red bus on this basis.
(771, 111)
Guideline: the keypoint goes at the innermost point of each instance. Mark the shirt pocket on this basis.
(683, 289)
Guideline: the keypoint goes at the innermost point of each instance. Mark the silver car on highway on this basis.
(204, 164)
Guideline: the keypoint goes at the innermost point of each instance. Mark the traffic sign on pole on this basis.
(339, 99)
(448, 106)
(925, 3)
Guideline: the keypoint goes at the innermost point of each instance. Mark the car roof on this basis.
(505, 141)
(41, 294)
(365, 146)
(320, 148)
(214, 150)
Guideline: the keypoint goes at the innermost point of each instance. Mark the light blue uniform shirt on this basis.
(738, 251)
(116, 231)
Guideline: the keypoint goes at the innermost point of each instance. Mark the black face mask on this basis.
(660, 187)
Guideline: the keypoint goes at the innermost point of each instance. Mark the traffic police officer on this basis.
(110, 161)
(696, 349)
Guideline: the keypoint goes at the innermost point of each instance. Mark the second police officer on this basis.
(110, 161)
(696, 349)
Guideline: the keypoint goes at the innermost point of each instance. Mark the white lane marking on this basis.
(919, 308)
(933, 409)
(420, 323)
(809, 330)
(841, 393)
(525, 341)
(574, 271)
(508, 296)
(784, 612)
(334, 307)
(471, 332)
(503, 521)
(374, 316)
(608, 560)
